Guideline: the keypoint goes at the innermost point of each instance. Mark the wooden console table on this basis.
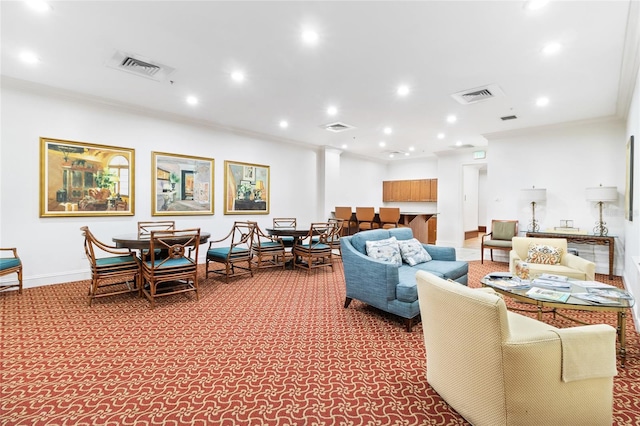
(604, 240)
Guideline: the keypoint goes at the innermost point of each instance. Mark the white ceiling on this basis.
(366, 49)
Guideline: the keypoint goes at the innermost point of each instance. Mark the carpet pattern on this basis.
(275, 349)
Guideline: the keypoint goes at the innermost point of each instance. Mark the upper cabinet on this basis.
(410, 190)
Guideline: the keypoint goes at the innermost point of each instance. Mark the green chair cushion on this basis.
(503, 230)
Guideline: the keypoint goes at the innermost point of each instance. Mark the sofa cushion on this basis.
(387, 250)
(544, 254)
(447, 269)
(402, 233)
(359, 240)
(413, 252)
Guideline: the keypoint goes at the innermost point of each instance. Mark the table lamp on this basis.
(259, 189)
(600, 195)
(533, 196)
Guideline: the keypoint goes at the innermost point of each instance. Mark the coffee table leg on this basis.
(622, 336)
(539, 313)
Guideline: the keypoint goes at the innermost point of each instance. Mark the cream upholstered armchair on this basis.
(496, 367)
(549, 255)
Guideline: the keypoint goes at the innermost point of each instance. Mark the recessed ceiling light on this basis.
(391, 155)
(345, 146)
(403, 90)
(406, 154)
(543, 101)
(382, 144)
(535, 4)
(39, 5)
(29, 57)
(387, 130)
(284, 124)
(411, 149)
(192, 100)
(451, 119)
(332, 110)
(237, 76)
(310, 37)
(551, 48)
(458, 143)
(440, 135)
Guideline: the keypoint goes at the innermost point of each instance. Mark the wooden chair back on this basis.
(316, 249)
(365, 217)
(284, 222)
(146, 227)
(236, 251)
(389, 217)
(345, 213)
(269, 251)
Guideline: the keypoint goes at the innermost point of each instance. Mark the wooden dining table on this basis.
(142, 242)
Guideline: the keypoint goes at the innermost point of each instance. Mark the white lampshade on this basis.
(534, 194)
(602, 193)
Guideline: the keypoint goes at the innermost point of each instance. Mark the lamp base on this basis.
(600, 229)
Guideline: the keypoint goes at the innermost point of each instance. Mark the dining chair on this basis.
(269, 251)
(285, 223)
(365, 217)
(389, 217)
(502, 231)
(10, 263)
(345, 213)
(113, 270)
(236, 255)
(335, 241)
(146, 227)
(315, 250)
(175, 273)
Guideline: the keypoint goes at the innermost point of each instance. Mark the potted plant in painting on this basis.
(174, 179)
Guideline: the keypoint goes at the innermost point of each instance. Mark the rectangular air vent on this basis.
(337, 127)
(508, 117)
(138, 65)
(479, 94)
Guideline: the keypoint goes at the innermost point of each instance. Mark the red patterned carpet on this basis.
(276, 349)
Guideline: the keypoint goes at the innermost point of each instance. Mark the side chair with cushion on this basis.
(10, 263)
(268, 251)
(113, 270)
(389, 217)
(365, 217)
(175, 273)
(346, 213)
(502, 231)
(146, 227)
(335, 242)
(549, 255)
(496, 367)
(316, 249)
(285, 223)
(235, 255)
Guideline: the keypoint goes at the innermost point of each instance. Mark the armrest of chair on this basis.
(13, 249)
(581, 264)
(486, 237)
(366, 278)
(513, 258)
(440, 253)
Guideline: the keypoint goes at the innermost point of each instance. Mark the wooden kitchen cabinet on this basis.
(410, 190)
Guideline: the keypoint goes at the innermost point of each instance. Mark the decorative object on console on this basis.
(600, 195)
(534, 196)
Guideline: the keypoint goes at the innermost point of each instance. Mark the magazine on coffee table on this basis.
(548, 294)
(594, 298)
(612, 293)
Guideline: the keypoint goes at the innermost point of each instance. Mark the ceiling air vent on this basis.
(508, 117)
(466, 145)
(478, 94)
(139, 65)
(337, 127)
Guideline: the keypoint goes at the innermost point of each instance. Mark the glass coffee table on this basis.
(572, 294)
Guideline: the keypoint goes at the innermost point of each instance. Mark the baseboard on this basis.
(470, 234)
(482, 229)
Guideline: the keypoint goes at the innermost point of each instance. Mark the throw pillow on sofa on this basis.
(387, 250)
(543, 254)
(413, 252)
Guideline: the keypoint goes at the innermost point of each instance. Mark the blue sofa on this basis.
(387, 286)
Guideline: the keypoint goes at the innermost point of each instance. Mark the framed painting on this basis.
(84, 179)
(246, 188)
(628, 192)
(182, 185)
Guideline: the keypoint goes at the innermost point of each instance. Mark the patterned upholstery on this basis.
(496, 367)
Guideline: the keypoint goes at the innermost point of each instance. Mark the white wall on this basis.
(564, 159)
(51, 248)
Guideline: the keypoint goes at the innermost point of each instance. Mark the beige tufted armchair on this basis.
(569, 265)
(496, 367)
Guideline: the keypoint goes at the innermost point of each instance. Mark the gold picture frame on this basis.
(628, 191)
(182, 185)
(246, 188)
(85, 179)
